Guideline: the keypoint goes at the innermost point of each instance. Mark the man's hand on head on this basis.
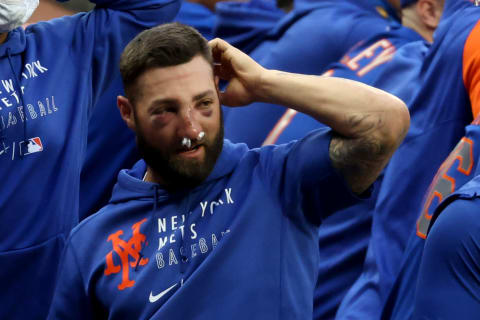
(242, 73)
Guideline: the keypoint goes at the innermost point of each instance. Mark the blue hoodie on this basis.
(242, 245)
(51, 74)
(110, 140)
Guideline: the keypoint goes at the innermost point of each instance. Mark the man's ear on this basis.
(126, 111)
(430, 12)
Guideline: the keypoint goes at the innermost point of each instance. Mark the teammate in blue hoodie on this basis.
(449, 99)
(51, 74)
(203, 228)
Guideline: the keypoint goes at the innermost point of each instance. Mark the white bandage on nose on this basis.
(187, 143)
(14, 13)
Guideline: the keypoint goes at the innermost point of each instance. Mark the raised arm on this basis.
(369, 124)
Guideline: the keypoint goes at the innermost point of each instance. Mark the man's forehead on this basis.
(198, 67)
(177, 83)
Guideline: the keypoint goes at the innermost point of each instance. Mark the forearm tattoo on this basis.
(360, 158)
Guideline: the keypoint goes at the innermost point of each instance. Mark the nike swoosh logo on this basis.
(154, 298)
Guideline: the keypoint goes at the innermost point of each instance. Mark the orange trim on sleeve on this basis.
(471, 68)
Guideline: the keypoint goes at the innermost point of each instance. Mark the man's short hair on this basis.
(166, 45)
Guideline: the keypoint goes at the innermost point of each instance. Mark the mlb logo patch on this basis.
(33, 145)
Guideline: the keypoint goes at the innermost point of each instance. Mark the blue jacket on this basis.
(242, 245)
(51, 74)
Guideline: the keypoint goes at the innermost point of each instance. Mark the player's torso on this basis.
(227, 244)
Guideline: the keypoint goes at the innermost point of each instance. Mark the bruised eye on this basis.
(205, 103)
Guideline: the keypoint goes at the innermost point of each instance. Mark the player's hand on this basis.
(241, 71)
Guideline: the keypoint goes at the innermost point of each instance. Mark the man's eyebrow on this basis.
(203, 95)
(160, 102)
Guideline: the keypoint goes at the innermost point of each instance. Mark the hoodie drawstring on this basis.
(151, 225)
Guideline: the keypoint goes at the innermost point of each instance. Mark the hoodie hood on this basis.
(130, 184)
(15, 42)
(246, 24)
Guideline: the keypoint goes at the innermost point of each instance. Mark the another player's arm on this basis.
(369, 124)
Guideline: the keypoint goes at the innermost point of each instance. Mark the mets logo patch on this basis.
(128, 252)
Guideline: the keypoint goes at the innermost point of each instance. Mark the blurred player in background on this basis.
(448, 101)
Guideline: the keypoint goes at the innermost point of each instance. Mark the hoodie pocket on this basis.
(27, 279)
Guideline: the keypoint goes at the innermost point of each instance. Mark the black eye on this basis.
(206, 103)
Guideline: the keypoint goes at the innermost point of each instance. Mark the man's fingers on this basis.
(218, 44)
(218, 47)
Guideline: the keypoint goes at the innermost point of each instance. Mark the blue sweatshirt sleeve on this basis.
(70, 299)
(306, 180)
(95, 40)
(449, 277)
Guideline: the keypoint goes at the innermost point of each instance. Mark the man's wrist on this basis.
(262, 90)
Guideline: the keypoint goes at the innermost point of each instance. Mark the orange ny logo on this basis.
(125, 250)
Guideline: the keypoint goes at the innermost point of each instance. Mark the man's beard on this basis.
(177, 173)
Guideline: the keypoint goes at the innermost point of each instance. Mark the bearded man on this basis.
(202, 228)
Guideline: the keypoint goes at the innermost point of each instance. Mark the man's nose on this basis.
(190, 127)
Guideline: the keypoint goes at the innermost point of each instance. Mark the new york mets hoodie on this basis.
(242, 245)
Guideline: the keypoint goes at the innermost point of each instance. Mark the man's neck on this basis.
(151, 176)
(3, 37)
(411, 20)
